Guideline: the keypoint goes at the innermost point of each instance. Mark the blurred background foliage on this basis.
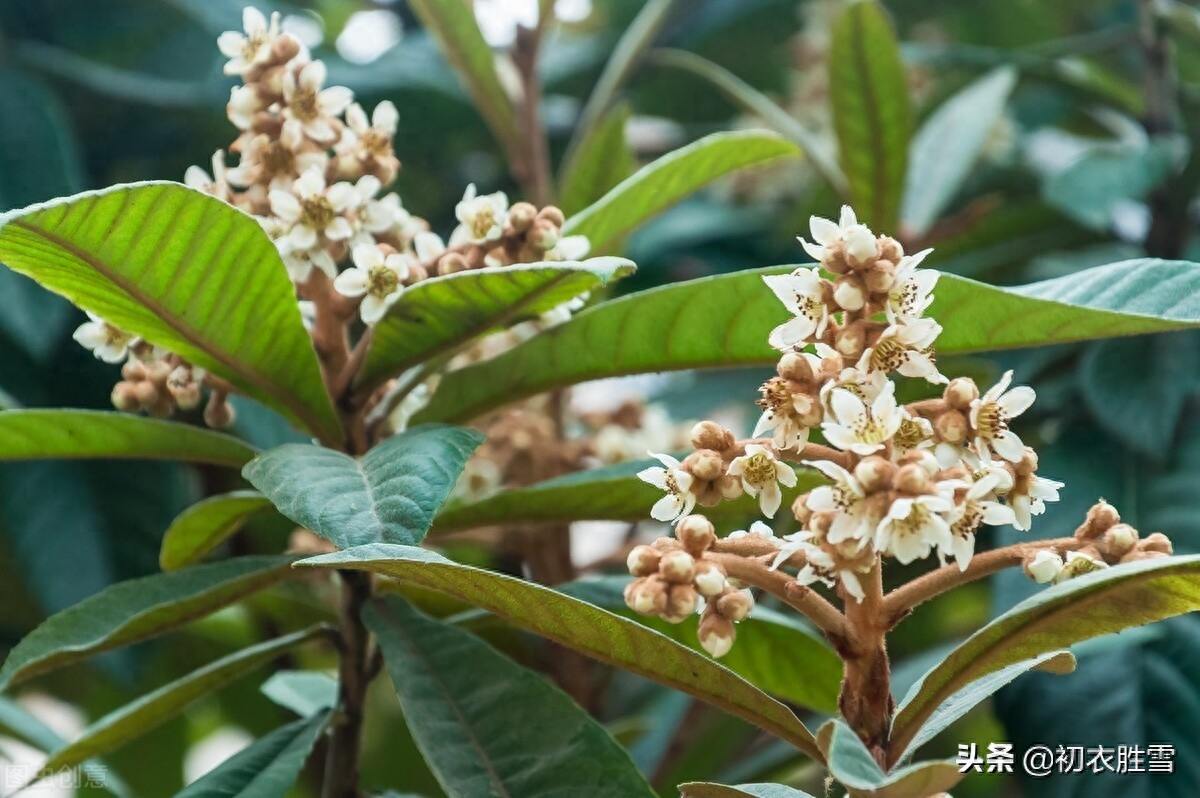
(1081, 164)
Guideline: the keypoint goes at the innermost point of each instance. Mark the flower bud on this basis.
(218, 414)
(1119, 539)
(890, 249)
(643, 560)
(677, 567)
(521, 216)
(711, 435)
(911, 479)
(860, 245)
(794, 366)
(729, 486)
(960, 392)
(709, 579)
(285, 48)
(951, 426)
(187, 397)
(874, 473)
(800, 509)
(705, 464)
(1100, 518)
(734, 604)
(682, 601)
(647, 596)
(1043, 567)
(1157, 542)
(716, 634)
(848, 294)
(124, 397)
(1079, 563)
(134, 371)
(851, 340)
(696, 533)
(543, 234)
(882, 278)
(452, 263)
(923, 458)
(553, 215)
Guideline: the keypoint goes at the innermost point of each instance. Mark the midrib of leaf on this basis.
(469, 730)
(249, 376)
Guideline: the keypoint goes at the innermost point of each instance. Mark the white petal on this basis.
(230, 43)
(666, 509)
(847, 217)
(253, 21)
(386, 117)
(428, 246)
(1009, 446)
(823, 231)
(91, 335)
(356, 118)
(303, 237)
(367, 257)
(352, 282)
(655, 476)
(340, 196)
(373, 308)
(339, 229)
(785, 475)
(334, 100)
(770, 499)
(284, 205)
(312, 77)
(1017, 401)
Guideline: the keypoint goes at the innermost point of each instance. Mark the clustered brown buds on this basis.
(159, 384)
(1102, 540)
(673, 577)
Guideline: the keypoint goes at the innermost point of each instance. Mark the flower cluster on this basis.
(1102, 540)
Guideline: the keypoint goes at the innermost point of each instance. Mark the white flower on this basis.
(244, 103)
(312, 212)
(276, 160)
(482, 218)
(380, 278)
(216, 184)
(846, 497)
(858, 240)
(913, 527)
(252, 48)
(311, 105)
(1045, 566)
(761, 475)
(991, 413)
(374, 137)
(801, 292)
(569, 248)
(977, 506)
(679, 500)
(912, 292)
(906, 348)
(1078, 564)
(1028, 498)
(429, 247)
(855, 427)
(759, 528)
(107, 342)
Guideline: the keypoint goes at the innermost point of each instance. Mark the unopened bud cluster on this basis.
(672, 580)
(1104, 541)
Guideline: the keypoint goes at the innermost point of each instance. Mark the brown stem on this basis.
(758, 573)
(536, 177)
(345, 744)
(901, 601)
(341, 385)
(865, 700)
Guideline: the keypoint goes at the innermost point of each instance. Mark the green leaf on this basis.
(267, 768)
(390, 494)
(205, 525)
(659, 185)
(609, 493)
(1095, 604)
(440, 314)
(605, 159)
(454, 26)
(37, 127)
(185, 271)
(753, 102)
(304, 692)
(488, 726)
(155, 708)
(698, 789)
(871, 112)
(136, 610)
(853, 766)
(947, 146)
(725, 321)
(774, 652)
(583, 627)
(962, 702)
(18, 723)
(80, 434)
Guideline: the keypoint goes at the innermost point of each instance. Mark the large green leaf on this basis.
(205, 525)
(583, 627)
(453, 25)
(488, 726)
(852, 764)
(697, 789)
(753, 102)
(137, 610)
(155, 708)
(86, 434)
(610, 493)
(442, 313)
(265, 769)
(304, 692)
(390, 494)
(725, 320)
(871, 111)
(605, 159)
(659, 185)
(1095, 604)
(774, 651)
(186, 272)
(948, 144)
(962, 702)
(18, 723)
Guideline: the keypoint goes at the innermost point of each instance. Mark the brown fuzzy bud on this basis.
(162, 407)
(285, 48)
(800, 509)
(711, 435)
(960, 392)
(187, 397)
(875, 473)
(677, 567)
(708, 493)
(734, 604)
(553, 215)
(730, 487)
(1100, 518)
(643, 560)
(682, 601)
(890, 249)
(124, 397)
(146, 392)
(882, 278)
(218, 414)
(521, 216)
(1118, 540)
(851, 340)
(716, 634)
(793, 366)
(452, 263)
(696, 533)
(134, 371)
(705, 464)
(952, 426)
(1156, 542)
(647, 596)
(848, 293)
(709, 579)
(911, 479)
(543, 234)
